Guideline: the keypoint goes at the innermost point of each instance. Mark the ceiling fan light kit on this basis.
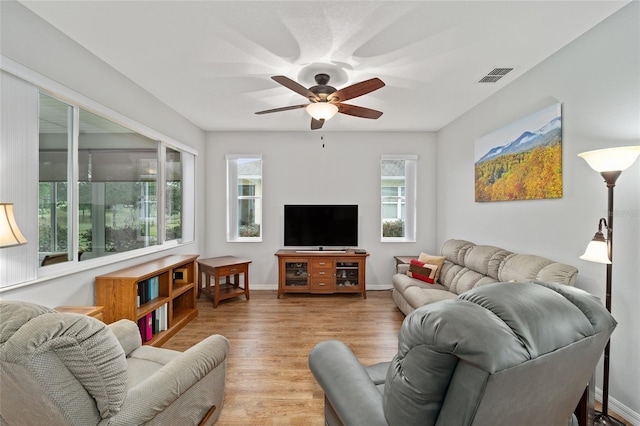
(322, 110)
(326, 101)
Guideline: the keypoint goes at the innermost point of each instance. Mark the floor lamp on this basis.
(609, 163)
(10, 235)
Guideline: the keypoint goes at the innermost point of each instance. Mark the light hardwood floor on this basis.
(268, 378)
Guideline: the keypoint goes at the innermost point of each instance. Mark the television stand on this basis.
(321, 271)
(321, 251)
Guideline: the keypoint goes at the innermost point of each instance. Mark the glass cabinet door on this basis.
(347, 274)
(296, 273)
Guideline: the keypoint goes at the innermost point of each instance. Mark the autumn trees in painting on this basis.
(526, 168)
(525, 176)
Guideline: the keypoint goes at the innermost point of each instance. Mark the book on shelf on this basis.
(142, 328)
(164, 325)
(149, 327)
(155, 321)
(148, 290)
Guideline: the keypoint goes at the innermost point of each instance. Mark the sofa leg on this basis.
(207, 416)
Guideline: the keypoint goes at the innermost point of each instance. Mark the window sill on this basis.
(69, 268)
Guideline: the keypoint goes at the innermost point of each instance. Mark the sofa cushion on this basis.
(485, 259)
(15, 314)
(466, 279)
(74, 357)
(418, 297)
(401, 282)
(522, 267)
(455, 250)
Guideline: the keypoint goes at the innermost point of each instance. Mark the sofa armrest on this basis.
(128, 334)
(402, 268)
(346, 384)
(152, 396)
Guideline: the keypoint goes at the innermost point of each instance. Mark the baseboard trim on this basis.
(621, 409)
(275, 287)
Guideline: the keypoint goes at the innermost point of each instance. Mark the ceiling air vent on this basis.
(495, 74)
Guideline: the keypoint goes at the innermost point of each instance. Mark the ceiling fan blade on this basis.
(358, 111)
(296, 87)
(316, 124)
(287, 108)
(356, 90)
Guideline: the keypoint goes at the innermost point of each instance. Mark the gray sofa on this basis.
(69, 369)
(500, 354)
(468, 265)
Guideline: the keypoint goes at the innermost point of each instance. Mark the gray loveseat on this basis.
(500, 354)
(468, 265)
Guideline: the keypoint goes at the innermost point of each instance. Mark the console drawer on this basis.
(322, 285)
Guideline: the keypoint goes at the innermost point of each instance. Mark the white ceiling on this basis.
(212, 60)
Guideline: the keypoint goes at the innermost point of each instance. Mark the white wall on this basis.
(33, 43)
(597, 80)
(298, 169)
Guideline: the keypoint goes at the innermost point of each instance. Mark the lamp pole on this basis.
(603, 418)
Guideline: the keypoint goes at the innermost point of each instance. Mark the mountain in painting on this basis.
(546, 135)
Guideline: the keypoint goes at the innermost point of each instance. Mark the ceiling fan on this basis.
(326, 101)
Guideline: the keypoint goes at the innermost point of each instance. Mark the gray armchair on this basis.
(501, 354)
(70, 369)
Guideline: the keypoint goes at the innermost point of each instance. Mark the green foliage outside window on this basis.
(251, 230)
(394, 228)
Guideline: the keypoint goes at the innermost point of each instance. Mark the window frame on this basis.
(409, 198)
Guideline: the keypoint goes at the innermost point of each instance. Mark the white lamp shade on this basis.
(611, 159)
(597, 251)
(322, 110)
(10, 235)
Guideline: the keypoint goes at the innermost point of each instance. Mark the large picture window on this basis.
(90, 185)
(398, 198)
(119, 203)
(244, 198)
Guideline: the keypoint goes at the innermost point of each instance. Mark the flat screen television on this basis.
(314, 225)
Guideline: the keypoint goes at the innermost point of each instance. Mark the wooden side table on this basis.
(96, 312)
(223, 266)
(400, 260)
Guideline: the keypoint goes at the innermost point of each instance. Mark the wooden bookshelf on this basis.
(176, 288)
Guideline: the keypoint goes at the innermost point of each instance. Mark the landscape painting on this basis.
(522, 161)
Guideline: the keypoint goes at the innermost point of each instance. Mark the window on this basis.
(54, 176)
(119, 177)
(118, 188)
(173, 195)
(398, 198)
(244, 198)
